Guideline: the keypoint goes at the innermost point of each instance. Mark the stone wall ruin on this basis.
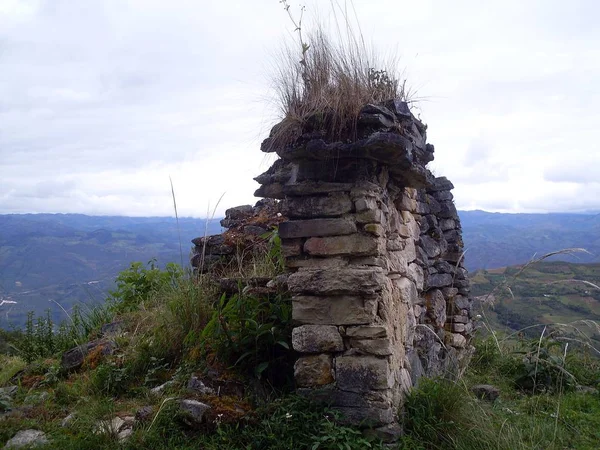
(373, 247)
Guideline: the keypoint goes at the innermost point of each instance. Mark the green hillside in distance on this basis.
(52, 261)
(544, 293)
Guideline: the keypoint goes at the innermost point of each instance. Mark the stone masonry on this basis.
(374, 249)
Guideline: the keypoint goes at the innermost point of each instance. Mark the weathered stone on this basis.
(440, 184)
(364, 204)
(486, 392)
(194, 410)
(380, 347)
(449, 292)
(448, 210)
(416, 275)
(317, 370)
(291, 247)
(439, 280)
(352, 244)
(316, 227)
(407, 291)
(395, 243)
(457, 340)
(361, 281)
(331, 205)
(195, 384)
(315, 187)
(73, 359)
(447, 224)
(315, 263)
(369, 332)
(436, 307)
(378, 261)
(458, 319)
(388, 434)
(444, 267)
(317, 339)
(330, 396)
(442, 196)
(405, 381)
(363, 373)
(159, 390)
(27, 438)
(374, 228)
(397, 263)
(369, 416)
(431, 246)
(369, 216)
(458, 327)
(340, 310)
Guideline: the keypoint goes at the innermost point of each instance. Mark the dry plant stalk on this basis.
(324, 82)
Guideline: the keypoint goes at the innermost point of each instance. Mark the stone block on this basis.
(439, 280)
(379, 347)
(436, 307)
(365, 203)
(339, 310)
(407, 291)
(331, 205)
(315, 263)
(352, 244)
(291, 247)
(368, 416)
(370, 332)
(317, 339)
(330, 396)
(369, 216)
(374, 228)
(457, 340)
(316, 370)
(363, 373)
(397, 263)
(316, 227)
(315, 187)
(447, 224)
(345, 280)
(416, 275)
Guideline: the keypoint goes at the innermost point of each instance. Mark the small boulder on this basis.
(195, 384)
(27, 438)
(194, 410)
(73, 359)
(485, 392)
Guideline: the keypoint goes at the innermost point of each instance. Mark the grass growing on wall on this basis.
(322, 79)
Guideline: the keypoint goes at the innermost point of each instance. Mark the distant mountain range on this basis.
(55, 260)
(498, 240)
(51, 261)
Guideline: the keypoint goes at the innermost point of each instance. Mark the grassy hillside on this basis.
(176, 341)
(544, 293)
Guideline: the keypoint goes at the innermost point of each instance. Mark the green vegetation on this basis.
(545, 293)
(173, 325)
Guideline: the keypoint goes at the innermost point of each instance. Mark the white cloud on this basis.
(101, 101)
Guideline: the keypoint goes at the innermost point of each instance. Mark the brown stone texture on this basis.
(373, 244)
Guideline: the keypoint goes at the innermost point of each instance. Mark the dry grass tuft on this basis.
(322, 82)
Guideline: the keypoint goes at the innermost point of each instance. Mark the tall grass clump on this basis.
(322, 80)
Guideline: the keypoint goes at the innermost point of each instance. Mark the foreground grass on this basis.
(173, 326)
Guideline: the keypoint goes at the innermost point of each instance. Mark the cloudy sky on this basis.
(102, 101)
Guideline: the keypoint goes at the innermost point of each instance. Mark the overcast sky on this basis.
(102, 101)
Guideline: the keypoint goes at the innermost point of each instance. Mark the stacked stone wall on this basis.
(373, 244)
(374, 254)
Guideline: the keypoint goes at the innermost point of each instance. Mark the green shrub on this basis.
(253, 334)
(137, 284)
